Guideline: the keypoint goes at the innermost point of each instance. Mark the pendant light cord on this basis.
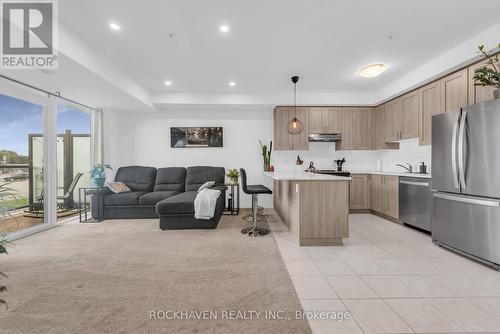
(295, 101)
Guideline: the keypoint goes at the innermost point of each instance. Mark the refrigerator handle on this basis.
(461, 139)
(454, 151)
(468, 200)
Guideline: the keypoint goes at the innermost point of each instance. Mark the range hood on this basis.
(325, 137)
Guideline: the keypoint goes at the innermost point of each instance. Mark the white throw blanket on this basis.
(204, 204)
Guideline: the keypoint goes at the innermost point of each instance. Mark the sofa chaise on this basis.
(167, 193)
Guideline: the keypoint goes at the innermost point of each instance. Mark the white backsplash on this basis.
(323, 155)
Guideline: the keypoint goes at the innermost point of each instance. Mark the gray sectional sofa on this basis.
(167, 193)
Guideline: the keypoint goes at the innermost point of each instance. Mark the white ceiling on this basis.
(323, 41)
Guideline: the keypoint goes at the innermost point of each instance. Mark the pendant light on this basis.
(295, 126)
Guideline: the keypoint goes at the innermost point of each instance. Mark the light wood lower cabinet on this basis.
(385, 195)
(316, 211)
(360, 192)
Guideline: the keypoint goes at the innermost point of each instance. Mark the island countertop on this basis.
(304, 176)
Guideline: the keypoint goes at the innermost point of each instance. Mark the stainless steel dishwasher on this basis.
(415, 202)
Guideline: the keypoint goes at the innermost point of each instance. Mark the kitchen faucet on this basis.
(409, 169)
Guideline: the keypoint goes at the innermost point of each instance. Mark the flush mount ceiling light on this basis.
(295, 126)
(232, 84)
(224, 28)
(114, 26)
(168, 83)
(372, 71)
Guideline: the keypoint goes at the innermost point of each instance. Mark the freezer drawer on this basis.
(468, 224)
(415, 202)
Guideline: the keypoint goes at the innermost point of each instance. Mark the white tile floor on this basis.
(391, 279)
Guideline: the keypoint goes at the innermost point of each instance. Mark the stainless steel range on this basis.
(333, 172)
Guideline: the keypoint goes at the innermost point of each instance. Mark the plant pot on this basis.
(266, 168)
(233, 181)
(496, 93)
(98, 181)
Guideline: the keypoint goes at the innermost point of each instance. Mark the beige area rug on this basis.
(109, 277)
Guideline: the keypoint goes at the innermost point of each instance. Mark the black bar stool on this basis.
(254, 190)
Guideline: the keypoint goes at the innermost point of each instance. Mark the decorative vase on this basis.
(233, 180)
(266, 168)
(98, 181)
(496, 93)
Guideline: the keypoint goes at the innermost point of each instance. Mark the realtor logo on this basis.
(29, 34)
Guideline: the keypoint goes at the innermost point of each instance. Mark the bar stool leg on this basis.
(256, 231)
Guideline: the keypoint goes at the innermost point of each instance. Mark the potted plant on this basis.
(266, 155)
(233, 175)
(98, 174)
(488, 75)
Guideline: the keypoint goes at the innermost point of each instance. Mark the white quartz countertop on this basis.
(304, 176)
(424, 176)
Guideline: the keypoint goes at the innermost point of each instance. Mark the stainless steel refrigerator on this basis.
(466, 181)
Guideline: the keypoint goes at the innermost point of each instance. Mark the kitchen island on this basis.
(313, 206)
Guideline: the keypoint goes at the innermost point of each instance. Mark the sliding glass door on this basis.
(21, 164)
(73, 158)
(46, 151)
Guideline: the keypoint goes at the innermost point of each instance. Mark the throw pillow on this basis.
(207, 184)
(118, 187)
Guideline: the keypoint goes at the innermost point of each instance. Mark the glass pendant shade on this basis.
(295, 126)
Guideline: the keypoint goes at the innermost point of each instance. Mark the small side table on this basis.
(84, 206)
(233, 200)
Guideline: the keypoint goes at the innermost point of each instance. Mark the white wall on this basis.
(144, 139)
(409, 152)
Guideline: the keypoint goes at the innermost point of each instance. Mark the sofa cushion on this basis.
(196, 176)
(137, 178)
(181, 203)
(127, 198)
(155, 197)
(170, 179)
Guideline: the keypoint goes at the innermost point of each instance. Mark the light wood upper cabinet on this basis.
(360, 192)
(282, 139)
(325, 120)
(316, 120)
(454, 91)
(478, 94)
(332, 118)
(393, 114)
(301, 141)
(410, 112)
(348, 129)
(364, 128)
(430, 99)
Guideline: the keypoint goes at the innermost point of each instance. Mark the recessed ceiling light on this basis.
(371, 71)
(168, 83)
(232, 84)
(114, 26)
(224, 28)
